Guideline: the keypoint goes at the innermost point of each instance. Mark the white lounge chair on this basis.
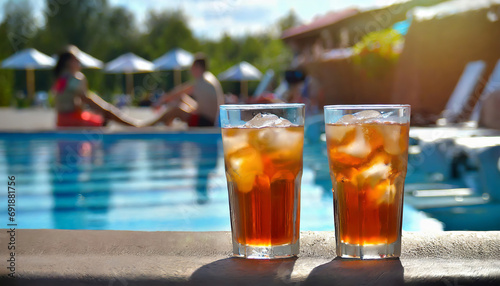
(455, 107)
(492, 85)
(264, 83)
(441, 153)
(463, 92)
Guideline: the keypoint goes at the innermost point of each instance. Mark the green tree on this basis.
(18, 28)
(72, 22)
(166, 30)
(6, 76)
(222, 53)
(118, 34)
(20, 23)
(251, 48)
(95, 27)
(289, 21)
(107, 31)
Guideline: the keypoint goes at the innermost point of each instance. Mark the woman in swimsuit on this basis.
(71, 94)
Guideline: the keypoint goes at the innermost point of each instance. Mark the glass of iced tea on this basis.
(368, 154)
(263, 159)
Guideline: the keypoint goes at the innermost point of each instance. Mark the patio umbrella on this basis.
(242, 72)
(87, 61)
(176, 59)
(29, 60)
(129, 64)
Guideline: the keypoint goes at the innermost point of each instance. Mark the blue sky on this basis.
(211, 18)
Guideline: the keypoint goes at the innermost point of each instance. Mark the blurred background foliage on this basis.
(105, 32)
(378, 51)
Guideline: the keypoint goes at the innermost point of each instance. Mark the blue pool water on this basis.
(150, 182)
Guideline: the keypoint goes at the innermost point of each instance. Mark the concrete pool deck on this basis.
(88, 257)
(42, 119)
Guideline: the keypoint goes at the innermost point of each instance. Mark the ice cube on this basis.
(282, 122)
(347, 119)
(280, 143)
(384, 192)
(367, 115)
(359, 147)
(392, 138)
(389, 195)
(374, 174)
(359, 117)
(280, 138)
(244, 166)
(267, 120)
(376, 179)
(261, 120)
(234, 140)
(336, 133)
(270, 138)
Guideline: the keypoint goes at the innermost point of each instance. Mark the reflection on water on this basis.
(207, 162)
(161, 182)
(78, 205)
(89, 174)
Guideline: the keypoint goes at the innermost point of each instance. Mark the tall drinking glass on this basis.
(263, 157)
(368, 155)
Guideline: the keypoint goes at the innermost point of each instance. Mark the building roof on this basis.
(332, 18)
(320, 22)
(453, 7)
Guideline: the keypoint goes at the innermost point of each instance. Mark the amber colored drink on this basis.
(264, 170)
(368, 168)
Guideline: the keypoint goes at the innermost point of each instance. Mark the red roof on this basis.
(321, 22)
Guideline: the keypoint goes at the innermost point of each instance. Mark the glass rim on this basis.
(260, 106)
(366, 106)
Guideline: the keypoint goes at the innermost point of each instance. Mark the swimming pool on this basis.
(144, 181)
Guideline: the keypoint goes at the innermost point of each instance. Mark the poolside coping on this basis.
(103, 257)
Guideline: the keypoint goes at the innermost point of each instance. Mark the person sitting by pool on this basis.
(202, 107)
(71, 93)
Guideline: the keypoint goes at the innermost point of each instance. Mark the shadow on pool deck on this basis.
(238, 271)
(92, 257)
(357, 272)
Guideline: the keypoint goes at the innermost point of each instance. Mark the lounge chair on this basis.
(440, 140)
(464, 90)
(442, 155)
(456, 106)
(264, 83)
(492, 85)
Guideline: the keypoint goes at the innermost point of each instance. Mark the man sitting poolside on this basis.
(202, 107)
